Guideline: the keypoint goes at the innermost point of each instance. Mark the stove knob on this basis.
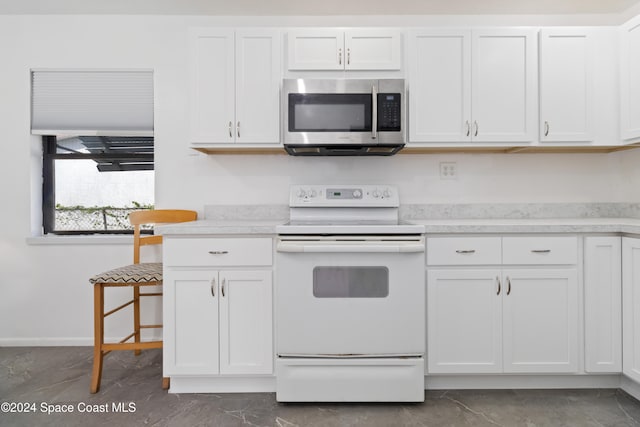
(386, 193)
(301, 193)
(376, 193)
(312, 193)
(357, 194)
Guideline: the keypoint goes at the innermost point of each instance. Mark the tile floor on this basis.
(58, 376)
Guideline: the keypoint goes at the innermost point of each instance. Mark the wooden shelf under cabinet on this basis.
(443, 150)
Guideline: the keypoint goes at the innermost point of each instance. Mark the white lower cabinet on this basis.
(631, 307)
(464, 327)
(540, 320)
(218, 322)
(502, 318)
(493, 321)
(603, 304)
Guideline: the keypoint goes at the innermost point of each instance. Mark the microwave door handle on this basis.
(374, 112)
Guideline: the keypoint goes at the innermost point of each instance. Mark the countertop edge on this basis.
(453, 226)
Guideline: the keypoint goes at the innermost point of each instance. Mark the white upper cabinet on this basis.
(212, 97)
(566, 85)
(472, 86)
(235, 86)
(630, 79)
(503, 85)
(318, 49)
(337, 49)
(372, 49)
(440, 86)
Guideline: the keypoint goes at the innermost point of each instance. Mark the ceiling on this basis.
(316, 7)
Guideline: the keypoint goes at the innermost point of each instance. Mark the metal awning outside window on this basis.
(111, 153)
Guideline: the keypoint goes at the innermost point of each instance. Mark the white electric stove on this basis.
(350, 298)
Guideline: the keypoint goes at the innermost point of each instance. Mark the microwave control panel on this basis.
(389, 112)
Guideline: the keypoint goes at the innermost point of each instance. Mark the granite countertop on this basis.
(221, 226)
(437, 226)
(537, 225)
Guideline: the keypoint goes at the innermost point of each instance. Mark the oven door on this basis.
(350, 299)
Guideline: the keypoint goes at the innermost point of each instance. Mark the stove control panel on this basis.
(344, 196)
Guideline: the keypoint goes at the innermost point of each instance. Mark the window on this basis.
(91, 183)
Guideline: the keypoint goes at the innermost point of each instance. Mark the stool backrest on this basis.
(158, 216)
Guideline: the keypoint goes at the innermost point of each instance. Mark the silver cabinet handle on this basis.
(238, 129)
(476, 125)
(213, 287)
(466, 251)
(230, 133)
(340, 56)
(540, 251)
(349, 56)
(222, 288)
(218, 252)
(546, 128)
(374, 113)
(499, 285)
(508, 286)
(468, 127)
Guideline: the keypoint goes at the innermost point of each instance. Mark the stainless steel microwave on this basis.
(343, 116)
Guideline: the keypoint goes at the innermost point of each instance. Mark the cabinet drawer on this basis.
(217, 252)
(540, 250)
(463, 250)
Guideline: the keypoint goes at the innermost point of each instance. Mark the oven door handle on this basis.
(403, 247)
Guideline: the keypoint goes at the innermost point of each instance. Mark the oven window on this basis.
(317, 112)
(350, 282)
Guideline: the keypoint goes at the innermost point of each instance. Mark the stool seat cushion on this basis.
(131, 274)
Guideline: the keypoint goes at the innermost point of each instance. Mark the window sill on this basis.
(80, 240)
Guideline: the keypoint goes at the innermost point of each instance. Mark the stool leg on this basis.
(136, 317)
(98, 336)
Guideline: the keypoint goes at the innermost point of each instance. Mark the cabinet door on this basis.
(190, 311)
(630, 79)
(602, 304)
(440, 86)
(504, 90)
(464, 321)
(372, 49)
(211, 84)
(566, 85)
(246, 337)
(631, 307)
(257, 86)
(540, 329)
(316, 49)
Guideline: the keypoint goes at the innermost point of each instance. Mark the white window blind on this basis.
(92, 102)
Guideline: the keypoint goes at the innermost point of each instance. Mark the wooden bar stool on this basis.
(135, 276)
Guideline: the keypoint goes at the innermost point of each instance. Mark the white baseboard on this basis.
(476, 382)
(46, 342)
(630, 386)
(58, 342)
(222, 384)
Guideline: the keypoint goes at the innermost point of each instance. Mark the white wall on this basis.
(44, 290)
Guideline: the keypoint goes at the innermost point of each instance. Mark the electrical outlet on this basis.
(448, 170)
